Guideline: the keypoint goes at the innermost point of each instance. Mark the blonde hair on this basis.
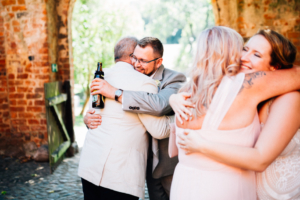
(218, 53)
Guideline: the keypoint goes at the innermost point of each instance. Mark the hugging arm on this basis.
(153, 104)
(158, 127)
(265, 85)
(273, 139)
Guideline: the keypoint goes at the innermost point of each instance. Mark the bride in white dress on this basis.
(276, 155)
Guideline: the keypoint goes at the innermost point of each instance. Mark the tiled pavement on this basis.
(33, 180)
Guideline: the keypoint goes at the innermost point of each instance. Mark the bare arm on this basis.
(281, 126)
(263, 85)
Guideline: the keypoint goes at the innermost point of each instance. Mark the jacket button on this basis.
(130, 107)
(137, 108)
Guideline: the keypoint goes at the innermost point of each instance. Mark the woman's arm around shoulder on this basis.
(264, 85)
(282, 124)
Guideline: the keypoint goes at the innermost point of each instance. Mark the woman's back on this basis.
(199, 177)
(240, 114)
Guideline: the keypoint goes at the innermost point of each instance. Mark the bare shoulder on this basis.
(288, 99)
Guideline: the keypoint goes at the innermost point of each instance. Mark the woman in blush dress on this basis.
(225, 113)
(276, 155)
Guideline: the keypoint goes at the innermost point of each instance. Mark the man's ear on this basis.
(159, 63)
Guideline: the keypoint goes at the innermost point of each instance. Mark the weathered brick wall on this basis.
(25, 34)
(4, 106)
(247, 16)
(37, 28)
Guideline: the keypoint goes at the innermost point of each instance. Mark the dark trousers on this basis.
(94, 192)
(156, 189)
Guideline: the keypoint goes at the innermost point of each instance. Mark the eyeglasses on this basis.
(142, 62)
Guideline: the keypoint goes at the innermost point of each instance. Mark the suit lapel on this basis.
(159, 73)
(158, 76)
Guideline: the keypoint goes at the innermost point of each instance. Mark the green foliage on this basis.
(96, 27)
(98, 24)
(79, 121)
(178, 22)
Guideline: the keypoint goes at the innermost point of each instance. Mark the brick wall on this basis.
(25, 35)
(4, 106)
(37, 29)
(247, 17)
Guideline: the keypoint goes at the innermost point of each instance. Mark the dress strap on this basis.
(222, 100)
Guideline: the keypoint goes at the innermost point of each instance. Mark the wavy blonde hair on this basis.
(218, 53)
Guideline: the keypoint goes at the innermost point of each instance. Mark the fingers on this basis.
(179, 119)
(95, 120)
(94, 124)
(91, 111)
(182, 114)
(96, 85)
(186, 94)
(186, 111)
(188, 104)
(94, 116)
(97, 80)
(187, 152)
(96, 90)
(181, 138)
(186, 132)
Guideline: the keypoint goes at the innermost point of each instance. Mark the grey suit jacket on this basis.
(157, 104)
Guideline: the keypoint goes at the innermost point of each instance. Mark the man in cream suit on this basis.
(160, 167)
(114, 156)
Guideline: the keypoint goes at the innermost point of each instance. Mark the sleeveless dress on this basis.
(281, 180)
(198, 177)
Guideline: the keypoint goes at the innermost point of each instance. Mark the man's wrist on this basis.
(113, 93)
(120, 98)
(118, 94)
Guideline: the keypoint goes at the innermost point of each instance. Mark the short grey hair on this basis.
(124, 47)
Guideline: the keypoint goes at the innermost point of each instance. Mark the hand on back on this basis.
(180, 104)
(92, 120)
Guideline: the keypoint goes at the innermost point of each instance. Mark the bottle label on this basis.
(95, 97)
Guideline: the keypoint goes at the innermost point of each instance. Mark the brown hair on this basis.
(154, 43)
(283, 52)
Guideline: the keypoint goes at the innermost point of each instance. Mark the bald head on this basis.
(124, 48)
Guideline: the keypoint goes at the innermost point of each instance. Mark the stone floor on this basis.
(32, 180)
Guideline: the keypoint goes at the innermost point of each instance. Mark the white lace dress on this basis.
(281, 180)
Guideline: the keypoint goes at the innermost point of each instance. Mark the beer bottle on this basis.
(98, 99)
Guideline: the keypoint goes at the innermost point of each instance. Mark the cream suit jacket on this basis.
(114, 155)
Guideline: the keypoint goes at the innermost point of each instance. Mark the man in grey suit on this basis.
(147, 59)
